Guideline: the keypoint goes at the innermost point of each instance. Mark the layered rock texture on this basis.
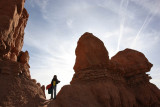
(102, 82)
(17, 89)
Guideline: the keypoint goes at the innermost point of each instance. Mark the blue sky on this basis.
(54, 27)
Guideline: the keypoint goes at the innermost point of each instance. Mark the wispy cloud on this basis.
(40, 3)
(149, 5)
(69, 23)
(145, 24)
(123, 9)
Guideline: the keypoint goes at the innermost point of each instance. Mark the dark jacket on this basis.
(54, 79)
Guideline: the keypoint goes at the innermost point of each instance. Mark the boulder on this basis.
(132, 62)
(24, 57)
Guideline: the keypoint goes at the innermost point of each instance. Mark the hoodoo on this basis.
(100, 82)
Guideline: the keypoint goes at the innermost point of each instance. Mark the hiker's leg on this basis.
(52, 94)
(55, 92)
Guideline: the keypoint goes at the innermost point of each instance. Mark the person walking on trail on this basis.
(54, 83)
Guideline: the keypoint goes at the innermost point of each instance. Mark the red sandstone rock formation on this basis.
(100, 82)
(135, 66)
(13, 20)
(16, 87)
(132, 62)
(90, 52)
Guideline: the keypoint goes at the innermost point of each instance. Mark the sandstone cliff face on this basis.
(17, 88)
(100, 82)
(13, 20)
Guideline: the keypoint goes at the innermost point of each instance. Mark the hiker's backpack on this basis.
(49, 90)
(48, 86)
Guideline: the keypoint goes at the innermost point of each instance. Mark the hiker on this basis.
(54, 83)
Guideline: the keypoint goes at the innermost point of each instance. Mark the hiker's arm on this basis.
(58, 81)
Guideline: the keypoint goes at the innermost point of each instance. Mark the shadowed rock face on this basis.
(100, 82)
(17, 89)
(132, 62)
(90, 52)
(135, 65)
